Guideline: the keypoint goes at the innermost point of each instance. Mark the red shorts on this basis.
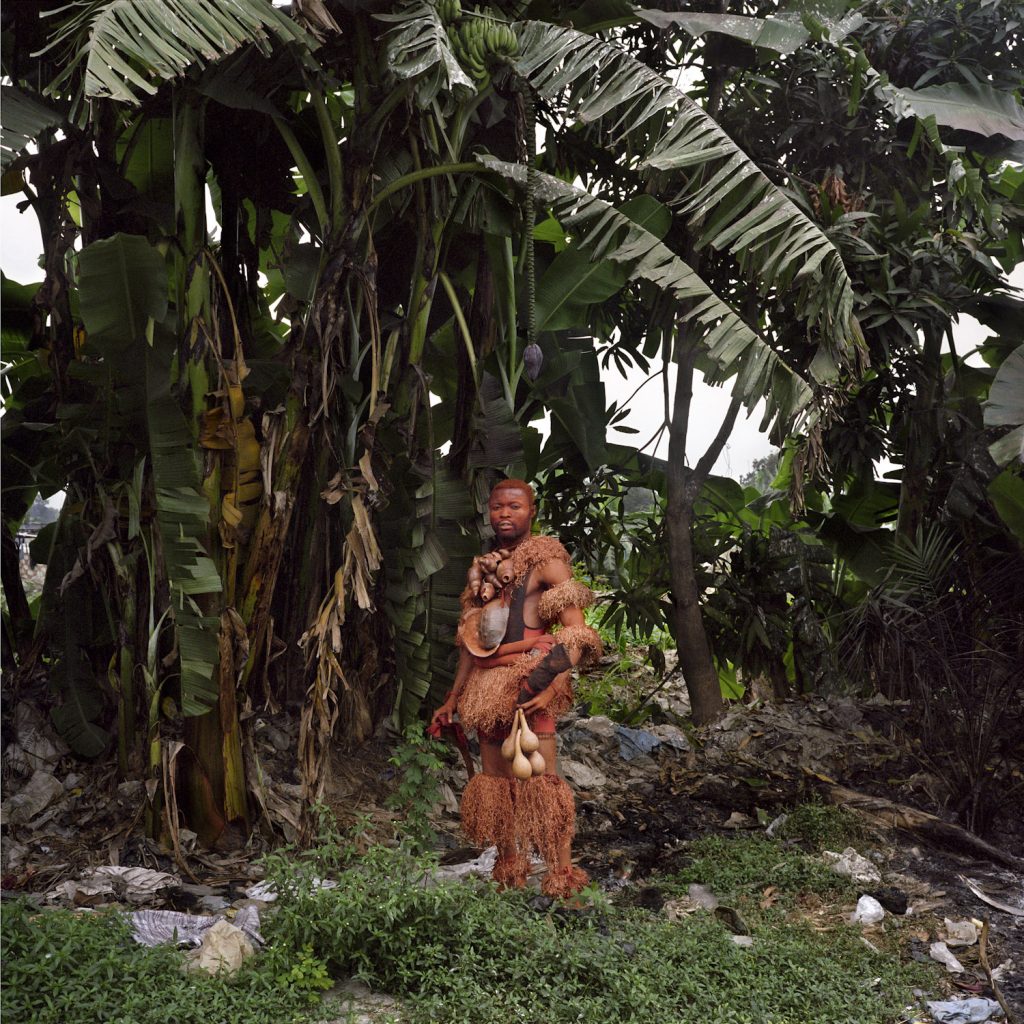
(540, 722)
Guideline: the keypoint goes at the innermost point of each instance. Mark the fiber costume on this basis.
(538, 813)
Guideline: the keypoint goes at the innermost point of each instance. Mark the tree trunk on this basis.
(683, 486)
(688, 626)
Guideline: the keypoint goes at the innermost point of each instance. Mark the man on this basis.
(529, 669)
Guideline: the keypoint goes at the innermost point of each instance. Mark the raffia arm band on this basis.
(568, 594)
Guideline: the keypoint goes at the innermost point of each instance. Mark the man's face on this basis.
(511, 514)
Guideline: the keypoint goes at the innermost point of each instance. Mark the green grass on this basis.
(466, 954)
(822, 827)
(64, 967)
(743, 866)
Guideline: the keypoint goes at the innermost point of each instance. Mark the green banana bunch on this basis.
(449, 11)
(481, 41)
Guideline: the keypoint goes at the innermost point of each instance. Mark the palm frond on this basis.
(661, 134)
(128, 47)
(731, 346)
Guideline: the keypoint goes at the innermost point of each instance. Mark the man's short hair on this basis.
(518, 485)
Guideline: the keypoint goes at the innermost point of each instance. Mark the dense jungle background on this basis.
(314, 276)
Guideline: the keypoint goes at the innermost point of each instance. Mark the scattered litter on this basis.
(583, 776)
(266, 892)
(775, 825)
(852, 865)
(223, 948)
(976, 1010)
(481, 866)
(739, 820)
(634, 743)
(156, 927)
(702, 896)
(985, 898)
(698, 897)
(940, 951)
(742, 940)
(32, 799)
(869, 911)
(999, 973)
(130, 885)
(892, 899)
(961, 933)
(34, 744)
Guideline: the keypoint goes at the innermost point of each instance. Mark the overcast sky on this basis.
(19, 255)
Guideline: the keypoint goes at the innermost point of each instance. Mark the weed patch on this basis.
(822, 827)
(466, 954)
(736, 867)
(62, 967)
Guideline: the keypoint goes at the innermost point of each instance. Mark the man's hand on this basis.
(443, 715)
(542, 700)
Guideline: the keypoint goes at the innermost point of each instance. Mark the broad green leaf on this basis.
(122, 284)
(972, 107)
(1006, 493)
(776, 34)
(418, 49)
(650, 125)
(1005, 405)
(731, 347)
(572, 283)
(24, 117)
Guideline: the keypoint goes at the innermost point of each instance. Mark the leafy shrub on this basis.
(63, 967)
(467, 954)
(822, 826)
(746, 865)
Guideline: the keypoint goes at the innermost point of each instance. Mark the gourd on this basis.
(521, 767)
(528, 738)
(537, 762)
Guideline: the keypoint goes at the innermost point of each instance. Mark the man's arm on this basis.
(443, 715)
(555, 666)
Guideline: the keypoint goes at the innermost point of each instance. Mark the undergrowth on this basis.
(466, 954)
(822, 827)
(463, 953)
(67, 967)
(744, 866)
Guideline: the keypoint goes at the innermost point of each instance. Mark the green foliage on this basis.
(744, 866)
(418, 762)
(307, 976)
(467, 953)
(64, 967)
(822, 827)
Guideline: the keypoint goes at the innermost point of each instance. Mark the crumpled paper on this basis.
(223, 949)
(155, 927)
(940, 951)
(32, 799)
(130, 884)
(851, 864)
